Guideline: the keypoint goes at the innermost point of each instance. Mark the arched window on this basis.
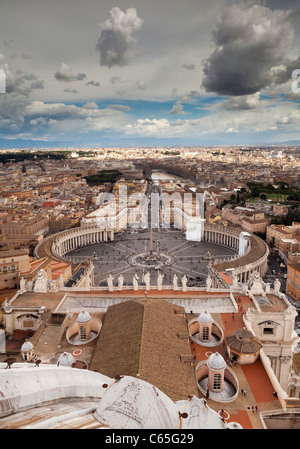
(82, 333)
(217, 381)
(205, 333)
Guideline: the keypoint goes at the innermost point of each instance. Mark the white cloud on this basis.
(65, 74)
(116, 40)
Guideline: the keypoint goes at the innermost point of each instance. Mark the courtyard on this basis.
(128, 255)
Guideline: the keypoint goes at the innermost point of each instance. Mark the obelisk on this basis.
(151, 242)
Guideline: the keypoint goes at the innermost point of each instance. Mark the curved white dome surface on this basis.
(65, 359)
(84, 317)
(132, 403)
(28, 386)
(205, 317)
(26, 346)
(216, 361)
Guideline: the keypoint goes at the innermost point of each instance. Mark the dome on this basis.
(131, 403)
(83, 317)
(216, 362)
(205, 317)
(65, 359)
(243, 341)
(26, 346)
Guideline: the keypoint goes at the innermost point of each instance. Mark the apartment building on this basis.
(34, 225)
(248, 219)
(277, 232)
(12, 263)
(293, 280)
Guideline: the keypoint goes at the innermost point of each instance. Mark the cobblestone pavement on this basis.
(186, 257)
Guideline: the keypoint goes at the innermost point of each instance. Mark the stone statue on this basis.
(160, 281)
(255, 284)
(52, 286)
(120, 282)
(29, 286)
(110, 283)
(22, 285)
(147, 280)
(88, 281)
(277, 285)
(175, 282)
(41, 284)
(208, 282)
(234, 281)
(135, 282)
(184, 282)
(60, 282)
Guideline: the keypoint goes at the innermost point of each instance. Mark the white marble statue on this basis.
(120, 282)
(135, 282)
(234, 281)
(159, 281)
(60, 282)
(184, 282)
(256, 284)
(175, 282)
(41, 282)
(110, 283)
(208, 282)
(22, 285)
(147, 280)
(277, 285)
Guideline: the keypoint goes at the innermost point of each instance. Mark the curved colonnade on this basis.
(254, 258)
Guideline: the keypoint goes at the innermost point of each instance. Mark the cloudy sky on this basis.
(149, 72)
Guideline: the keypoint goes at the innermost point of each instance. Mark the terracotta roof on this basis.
(147, 338)
(117, 351)
(243, 342)
(257, 251)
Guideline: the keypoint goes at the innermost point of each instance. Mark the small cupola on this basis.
(65, 359)
(216, 369)
(27, 351)
(205, 325)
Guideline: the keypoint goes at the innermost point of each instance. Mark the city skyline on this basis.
(147, 73)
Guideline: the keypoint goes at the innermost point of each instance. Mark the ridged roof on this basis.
(146, 338)
(243, 341)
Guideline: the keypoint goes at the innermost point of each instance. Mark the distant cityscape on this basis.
(150, 218)
(90, 237)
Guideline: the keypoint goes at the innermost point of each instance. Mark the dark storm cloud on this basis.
(284, 74)
(250, 42)
(93, 83)
(71, 91)
(189, 66)
(116, 40)
(21, 83)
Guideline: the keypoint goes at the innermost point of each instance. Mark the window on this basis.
(4, 269)
(82, 333)
(205, 333)
(217, 381)
(268, 331)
